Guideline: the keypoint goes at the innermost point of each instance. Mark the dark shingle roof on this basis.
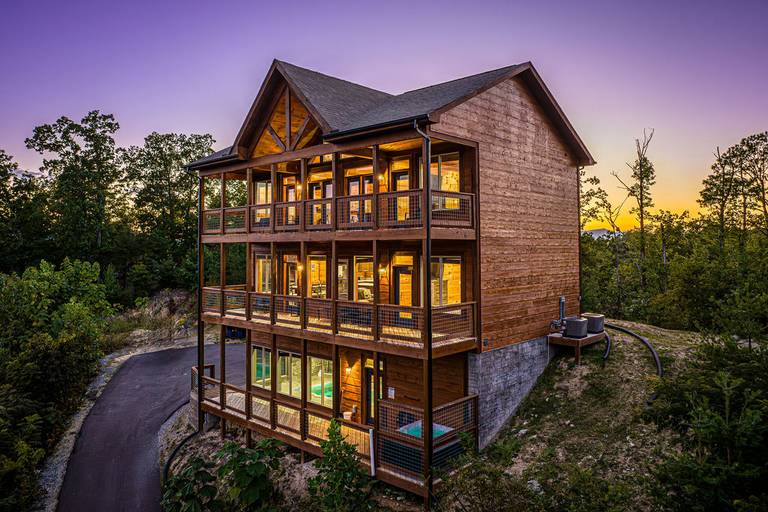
(420, 102)
(339, 102)
(217, 155)
(346, 107)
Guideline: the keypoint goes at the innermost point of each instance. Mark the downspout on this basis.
(200, 327)
(428, 402)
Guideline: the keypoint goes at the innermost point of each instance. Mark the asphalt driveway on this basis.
(114, 464)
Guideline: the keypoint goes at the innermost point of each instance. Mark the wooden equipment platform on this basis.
(577, 343)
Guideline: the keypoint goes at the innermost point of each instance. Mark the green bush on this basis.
(341, 485)
(193, 489)
(49, 350)
(245, 475)
(718, 405)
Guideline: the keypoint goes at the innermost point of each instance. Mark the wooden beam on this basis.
(300, 133)
(287, 119)
(275, 137)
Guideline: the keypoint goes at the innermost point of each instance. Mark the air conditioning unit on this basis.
(595, 322)
(575, 327)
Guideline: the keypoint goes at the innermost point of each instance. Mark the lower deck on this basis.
(292, 388)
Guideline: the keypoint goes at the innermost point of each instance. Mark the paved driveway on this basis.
(114, 465)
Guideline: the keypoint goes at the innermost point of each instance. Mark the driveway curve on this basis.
(114, 464)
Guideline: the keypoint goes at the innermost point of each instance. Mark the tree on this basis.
(23, 217)
(717, 195)
(754, 161)
(643, 178)
(591, 196)
(80, 161)
(341, 485)
(164, 192)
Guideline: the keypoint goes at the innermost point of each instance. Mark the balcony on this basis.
(395, 445)
(387, 324)
(383, 211)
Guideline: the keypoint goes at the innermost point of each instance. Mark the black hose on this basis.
(167, 467)
(607, 348)
(644, 340)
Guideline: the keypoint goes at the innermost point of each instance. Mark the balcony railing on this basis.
(355, 212)
(261, 218)
(452, 209)
(288, 216)
(393, 324)
(400, 209)
(393, 210)
(318, 214)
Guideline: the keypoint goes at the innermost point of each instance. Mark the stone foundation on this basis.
(502, 378)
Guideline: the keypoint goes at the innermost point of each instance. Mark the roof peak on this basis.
(290, 64)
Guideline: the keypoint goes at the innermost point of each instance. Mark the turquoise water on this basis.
(414, 429)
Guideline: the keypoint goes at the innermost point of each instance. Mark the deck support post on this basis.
(200, 324)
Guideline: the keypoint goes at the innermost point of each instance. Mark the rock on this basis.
(535, 486)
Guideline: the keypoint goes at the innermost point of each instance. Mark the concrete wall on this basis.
(502, 378)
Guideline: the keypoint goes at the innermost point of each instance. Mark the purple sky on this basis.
(696, 71)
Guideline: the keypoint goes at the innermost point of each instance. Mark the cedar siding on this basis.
(528, 209)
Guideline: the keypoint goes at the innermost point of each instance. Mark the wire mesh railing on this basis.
(288, 419)
(287, 216)
(354, 319)
(452, 323)
(234, 220)
(318, 214)
(211, 221)
(287, 310)
(401, 325)
(400, 445)
(354, 212)
(261, 218)
(400, 209)
(319, 314)
(234, 303)
(452, 209)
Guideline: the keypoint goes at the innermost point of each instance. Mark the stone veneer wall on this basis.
(502, 378)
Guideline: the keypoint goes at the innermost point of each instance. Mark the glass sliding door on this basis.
(320, 381)
(446, 280)
(289, 374)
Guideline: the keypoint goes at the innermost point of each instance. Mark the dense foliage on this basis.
(708, 272)
(49, 349)
(719, 405)
(241, 482)
(132, 210)
(341, 485)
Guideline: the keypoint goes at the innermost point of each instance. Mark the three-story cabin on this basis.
(394, 260)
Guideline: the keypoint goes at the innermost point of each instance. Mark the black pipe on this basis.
(644, 340)
(167, 467)
(607, 348)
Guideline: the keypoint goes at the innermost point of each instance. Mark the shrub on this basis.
(49, 350)
(341, 485)
(193, 489)
(245, 474)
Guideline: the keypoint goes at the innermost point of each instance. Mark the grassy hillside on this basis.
(581, 434)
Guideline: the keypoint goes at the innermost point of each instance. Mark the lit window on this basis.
(364, 278)
(446, 280)
(289, 374)
(263, 271)
(261, 359)
(320, 381)
(317, 277)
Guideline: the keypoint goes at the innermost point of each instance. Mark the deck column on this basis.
(200, 324)
(248, 384)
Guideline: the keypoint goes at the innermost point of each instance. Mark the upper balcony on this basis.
(369, 192)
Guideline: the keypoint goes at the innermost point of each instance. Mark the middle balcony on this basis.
(353, 294)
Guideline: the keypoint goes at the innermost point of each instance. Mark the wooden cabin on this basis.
(402, 299)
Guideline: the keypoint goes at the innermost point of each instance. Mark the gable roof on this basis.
(343, 109)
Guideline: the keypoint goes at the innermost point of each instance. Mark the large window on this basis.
(261, 359)
(262, 273)
(446, 280)
(289, 374)
(262, 192)
(364, 278)
(290, 284)
(318, 282)
(443, 172)
(320, 381)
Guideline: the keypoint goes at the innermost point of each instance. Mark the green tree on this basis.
(643, 178)
(341, 485)
(164, 192)
(80, 160)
